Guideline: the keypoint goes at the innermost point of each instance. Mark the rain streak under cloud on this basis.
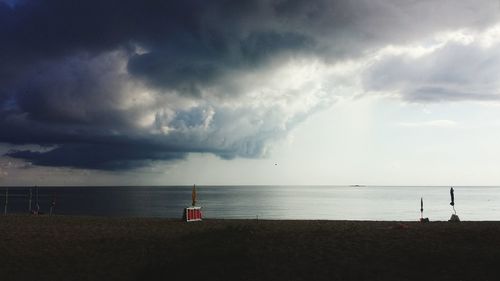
(115, 85)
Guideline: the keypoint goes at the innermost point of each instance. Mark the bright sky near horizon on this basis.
(378, 92)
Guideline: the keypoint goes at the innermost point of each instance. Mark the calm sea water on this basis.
(264, 202)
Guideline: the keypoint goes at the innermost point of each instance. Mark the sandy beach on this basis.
(90, 248)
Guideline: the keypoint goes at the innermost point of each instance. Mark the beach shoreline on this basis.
(99, 248)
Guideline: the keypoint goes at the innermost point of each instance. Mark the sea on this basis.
(393, 203)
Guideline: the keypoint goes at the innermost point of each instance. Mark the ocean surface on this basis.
(263, 202)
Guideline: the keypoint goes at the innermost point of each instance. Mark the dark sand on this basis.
(80, 248)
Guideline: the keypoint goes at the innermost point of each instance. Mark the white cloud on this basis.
(457, 66)
(430, 124)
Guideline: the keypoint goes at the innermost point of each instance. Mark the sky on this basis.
(377, 92)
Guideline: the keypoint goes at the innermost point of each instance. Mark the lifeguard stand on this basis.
(192, 213)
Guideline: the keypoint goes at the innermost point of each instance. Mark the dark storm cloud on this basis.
(98, 156)
(117, 84)
(192, 64)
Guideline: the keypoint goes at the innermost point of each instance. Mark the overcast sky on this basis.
(249, 92)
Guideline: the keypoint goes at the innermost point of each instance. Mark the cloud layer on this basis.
(118, 84)
(461, 66)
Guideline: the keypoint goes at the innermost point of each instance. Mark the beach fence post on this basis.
(6, 201)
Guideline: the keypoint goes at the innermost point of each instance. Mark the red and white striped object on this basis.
(193, 214)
